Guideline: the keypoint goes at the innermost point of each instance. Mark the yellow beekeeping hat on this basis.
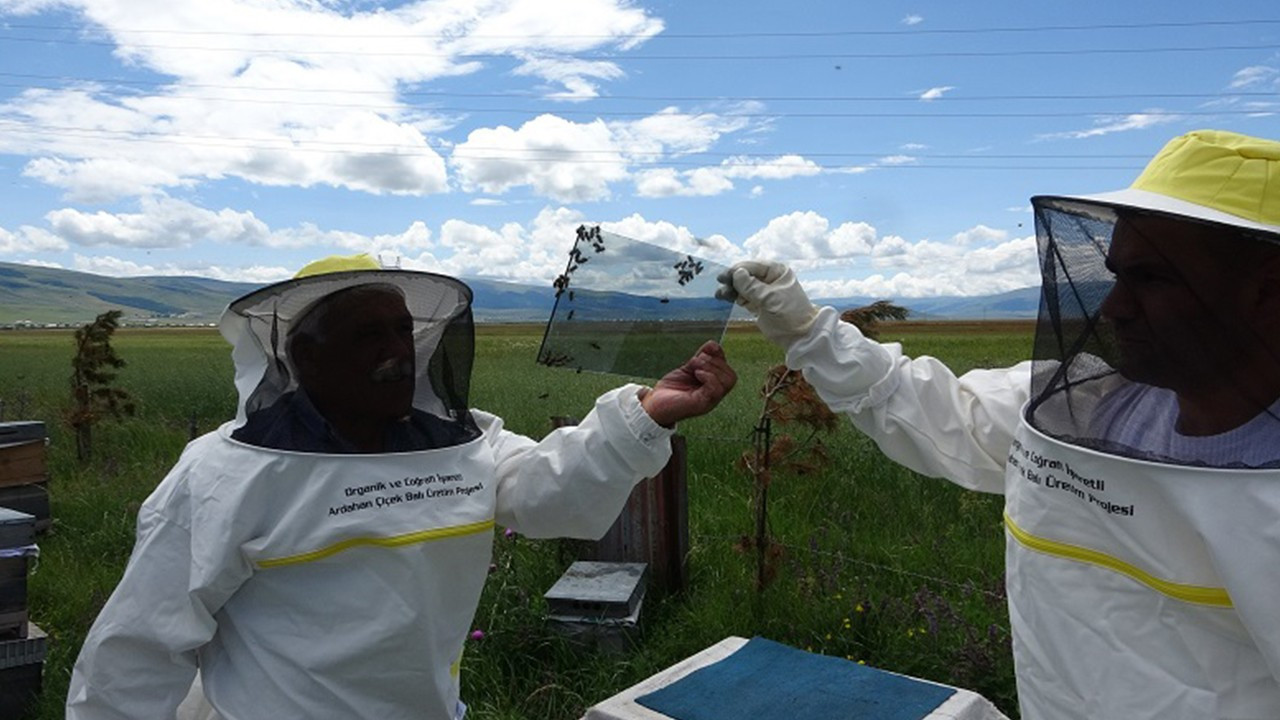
(339, 263)
(1211, 175)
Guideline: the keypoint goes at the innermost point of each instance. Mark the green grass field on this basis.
(880, 565)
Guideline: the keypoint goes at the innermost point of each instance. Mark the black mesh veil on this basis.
(259, 325)
(1149, 342)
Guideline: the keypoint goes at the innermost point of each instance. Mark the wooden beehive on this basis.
(597, 604)
(17, 537)
(21, 671)
(24, 473)
(653, 527)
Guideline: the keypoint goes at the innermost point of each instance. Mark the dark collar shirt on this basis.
(294, 423)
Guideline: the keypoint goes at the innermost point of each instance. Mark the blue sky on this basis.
(883, 148)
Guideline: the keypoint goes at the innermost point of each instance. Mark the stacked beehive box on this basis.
(24, 475)
(24, 511)
(22, 643)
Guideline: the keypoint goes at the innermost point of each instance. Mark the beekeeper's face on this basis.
(1175, 305)
(359, 365)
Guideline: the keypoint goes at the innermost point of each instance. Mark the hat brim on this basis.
(287, 301)
(1146, 200)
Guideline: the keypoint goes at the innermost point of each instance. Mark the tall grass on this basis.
(880, 565)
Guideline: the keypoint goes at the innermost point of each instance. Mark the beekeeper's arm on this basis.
(575, 482)
(139, 658)
(916, 410)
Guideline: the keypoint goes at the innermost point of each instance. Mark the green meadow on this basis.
(879, 565)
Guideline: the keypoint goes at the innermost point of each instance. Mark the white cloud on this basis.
(293, 93)
(928, 268)
(161, 223)
(851, 239)
(852, 169)
(557, 158)
(707, 181)
(533, 254)
(913, 19)
(977, 235)
(1020, 272)
(99, 180)
(782, 167)
(296, 94)
(482, 251)
(891, 247)
(659, 182)
(576, 76)
(935, 92)
(576, 162)
(1255, 76)
(1014, 262)
(673, 131)
(254, 273)
(117, 267)
(415, 238)
(977, 261)
(42, 263)
(1109, 125)
(113, 266)
(373, 154)
(563, 27)
(29, 239)
(551, 235)
(717, 179)
(679, 238)
(119, 156)
(806, 240)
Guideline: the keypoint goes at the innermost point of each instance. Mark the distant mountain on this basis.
(32, 294)
(1015, 304)
(40, 296)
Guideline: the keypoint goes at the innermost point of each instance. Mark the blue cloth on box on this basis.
(765, 680)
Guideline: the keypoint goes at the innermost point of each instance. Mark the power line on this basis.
(1143, 95)
(773, 114)
(645, 57)
(690, 36)
(568, 156)
(548, 154)
(844, 115)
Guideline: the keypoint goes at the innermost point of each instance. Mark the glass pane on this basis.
(630, 308)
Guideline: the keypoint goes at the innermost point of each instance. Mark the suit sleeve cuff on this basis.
(642, 427)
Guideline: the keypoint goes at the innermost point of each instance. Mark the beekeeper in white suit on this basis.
(322, 555)
(1139, 452)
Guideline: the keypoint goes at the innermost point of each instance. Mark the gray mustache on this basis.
(392, 370)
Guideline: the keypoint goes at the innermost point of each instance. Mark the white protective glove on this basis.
(770, 291)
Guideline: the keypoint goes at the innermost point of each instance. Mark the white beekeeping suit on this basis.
(333, 584)
(1139, 452)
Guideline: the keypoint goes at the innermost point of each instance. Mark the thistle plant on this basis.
(788, 399)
